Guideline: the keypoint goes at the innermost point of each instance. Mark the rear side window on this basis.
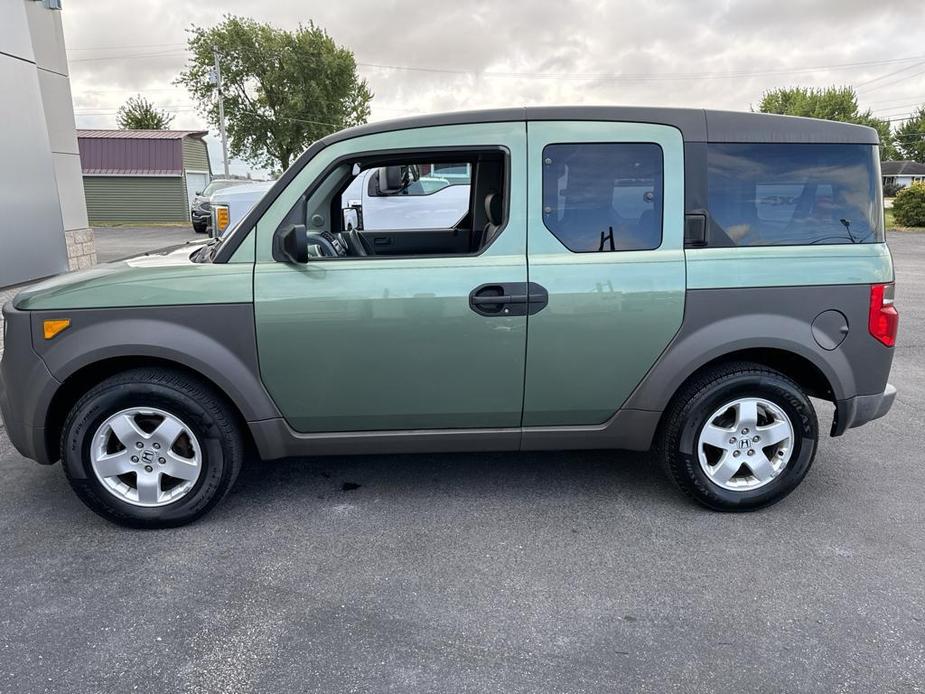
(600, 197)
(795, 194)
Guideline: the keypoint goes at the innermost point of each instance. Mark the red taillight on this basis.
(884, 318)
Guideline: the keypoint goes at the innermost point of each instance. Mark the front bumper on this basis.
(862, 409)
(201, 216)
(26, 388)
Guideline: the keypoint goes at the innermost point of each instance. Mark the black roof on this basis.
(902, 168)
(696, 125)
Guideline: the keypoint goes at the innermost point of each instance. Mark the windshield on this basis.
(218, 184)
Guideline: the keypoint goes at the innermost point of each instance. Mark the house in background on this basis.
(902, 173)
(142, 175)
(43, 221)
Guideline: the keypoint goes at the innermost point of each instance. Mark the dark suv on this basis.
(201, 209)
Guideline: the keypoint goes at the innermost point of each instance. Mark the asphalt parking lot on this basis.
(560, 572)
(113, 243)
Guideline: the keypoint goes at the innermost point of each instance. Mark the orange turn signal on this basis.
(222, 217)
(50, 328)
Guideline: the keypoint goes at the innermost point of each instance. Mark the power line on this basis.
(132, 56)
(667, 76)
(637, 77)
(895, 81)
(890, 107)
(889, 74)
(119, 48)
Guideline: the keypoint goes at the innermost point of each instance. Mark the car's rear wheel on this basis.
(151, 448)
(739, 437)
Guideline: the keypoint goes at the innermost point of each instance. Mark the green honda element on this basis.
(681, 281)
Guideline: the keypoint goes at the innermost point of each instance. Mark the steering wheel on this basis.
(356, 243)
(330, 245)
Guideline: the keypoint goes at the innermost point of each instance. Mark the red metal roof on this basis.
(142, 134)
(130, 172)
(133, 152)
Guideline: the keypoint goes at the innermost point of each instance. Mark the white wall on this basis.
(43, 216)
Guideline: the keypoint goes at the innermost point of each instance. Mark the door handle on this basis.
(508, 299)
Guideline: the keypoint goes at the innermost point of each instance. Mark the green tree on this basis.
(282, 89)
(909, 206)
(910, 137)
(831, 103)
(140, 114)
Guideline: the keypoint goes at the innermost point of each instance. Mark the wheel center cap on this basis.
(147, 456)
(744, 443)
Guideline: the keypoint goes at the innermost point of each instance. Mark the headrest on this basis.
(493, 208)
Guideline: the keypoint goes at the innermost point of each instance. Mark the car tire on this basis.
(709, 457)
(113, 461)
(200, 228)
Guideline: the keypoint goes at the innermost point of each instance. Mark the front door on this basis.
(394, 341)
(605, 238)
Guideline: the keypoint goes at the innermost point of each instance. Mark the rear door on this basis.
(605, 239)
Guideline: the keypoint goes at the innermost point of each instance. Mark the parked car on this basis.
(200, 210)
(627, 278)
(229, 206)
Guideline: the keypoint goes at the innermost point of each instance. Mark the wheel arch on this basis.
(83, 379)
(215, 343)
(778, 341)
(800, 369)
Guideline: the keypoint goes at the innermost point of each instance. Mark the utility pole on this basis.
(221, 109)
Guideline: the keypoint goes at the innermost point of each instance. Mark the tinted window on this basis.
(603, 197)
(791, 194)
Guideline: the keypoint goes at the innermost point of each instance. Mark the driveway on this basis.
(564, 572)
(113, 243)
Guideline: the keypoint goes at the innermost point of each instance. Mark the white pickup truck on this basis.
(231, 204)
(393, 197)
(378, 199)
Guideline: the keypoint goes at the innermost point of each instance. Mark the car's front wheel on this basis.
(200, 227)
(151, 448)
(740, 437)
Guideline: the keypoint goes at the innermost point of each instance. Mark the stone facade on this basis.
(81, 249)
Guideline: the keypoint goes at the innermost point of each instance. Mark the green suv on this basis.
(626, 278)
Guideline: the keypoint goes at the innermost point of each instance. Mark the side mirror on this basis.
(390, 180)
(351, 219)
(294, 243)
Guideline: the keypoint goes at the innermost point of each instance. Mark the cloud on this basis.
(485, 53)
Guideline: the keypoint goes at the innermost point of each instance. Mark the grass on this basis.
(890, 222)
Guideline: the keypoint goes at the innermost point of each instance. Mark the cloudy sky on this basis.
(445, 56)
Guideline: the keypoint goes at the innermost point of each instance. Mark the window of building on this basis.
(601, 197)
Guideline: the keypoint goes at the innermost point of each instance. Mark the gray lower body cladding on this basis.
(216, 341)
(219, 342)
(792, 324)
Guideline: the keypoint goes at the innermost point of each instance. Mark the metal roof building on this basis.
(142, 175)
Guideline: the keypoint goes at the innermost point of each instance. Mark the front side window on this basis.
(409, 206)
(601, 197)
(794, 194)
